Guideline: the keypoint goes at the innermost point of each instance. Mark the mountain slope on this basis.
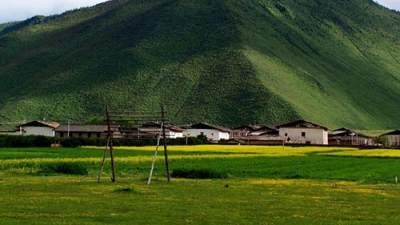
(226, 62)
(334, 61)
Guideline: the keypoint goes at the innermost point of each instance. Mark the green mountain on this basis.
(232, 62)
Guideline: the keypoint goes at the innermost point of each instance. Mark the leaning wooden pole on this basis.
(111, 146)
(165, 143)
(104, 158)
(154, 158)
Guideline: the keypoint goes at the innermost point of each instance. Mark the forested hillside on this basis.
(333, 62)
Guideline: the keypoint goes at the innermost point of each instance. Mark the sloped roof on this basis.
(174, 128)
(301, 124)
(157, 125)
(265, 128)
(347, 132)
(152, 124)
(342, 129)
(38, 123)
(209, 126)
(84, 128)
(270, 132)
(395, 132)
(246, 127)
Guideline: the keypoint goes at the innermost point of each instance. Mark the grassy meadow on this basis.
(264, 185)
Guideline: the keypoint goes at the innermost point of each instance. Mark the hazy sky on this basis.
(17, 10)
(391, 4)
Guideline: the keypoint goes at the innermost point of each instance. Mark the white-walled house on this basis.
(393, 138)
(38, 128)
(212, 132)
(303, 132)
(171, 132)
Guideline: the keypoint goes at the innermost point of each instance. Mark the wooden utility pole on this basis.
(110, 133)
(165, 143)
(126, 117)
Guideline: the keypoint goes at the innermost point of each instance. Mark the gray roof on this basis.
(209, 126)
(83, 128)
(395, 132)
(301, 123)
(39, 123)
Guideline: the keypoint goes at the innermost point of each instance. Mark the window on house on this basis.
(285, 134)
(303, 134)
(98, 135)
(212, 134)
(80, 134)
(89, 135)
(235, 134)
(61, 134)
(243, 134)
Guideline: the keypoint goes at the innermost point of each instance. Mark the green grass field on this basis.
(266, 185)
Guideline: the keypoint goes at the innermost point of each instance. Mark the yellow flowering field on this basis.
(271, 151)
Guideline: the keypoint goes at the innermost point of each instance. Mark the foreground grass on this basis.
(267, 185)
(81, 200)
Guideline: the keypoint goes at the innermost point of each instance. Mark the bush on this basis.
(382, 140)
(42, 141)
(64, 168)
(198, 174)
(9, 141)
(71, 142)
(183, 141)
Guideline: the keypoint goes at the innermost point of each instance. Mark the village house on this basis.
(255, 135)
(265, 131)
(151, 130)
(392, 139)
(213, 133)
(242, 131)
(84, 131)
(171, 131)
(303, 132)
(345, 136)
(34, 128)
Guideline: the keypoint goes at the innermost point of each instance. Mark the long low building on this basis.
(85, 131)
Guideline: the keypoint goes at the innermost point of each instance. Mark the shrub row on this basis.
(198, 174)
(64, 168)
(76, 142)
(8, 141)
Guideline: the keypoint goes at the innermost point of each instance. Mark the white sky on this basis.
(391, 4)
(17, 10)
